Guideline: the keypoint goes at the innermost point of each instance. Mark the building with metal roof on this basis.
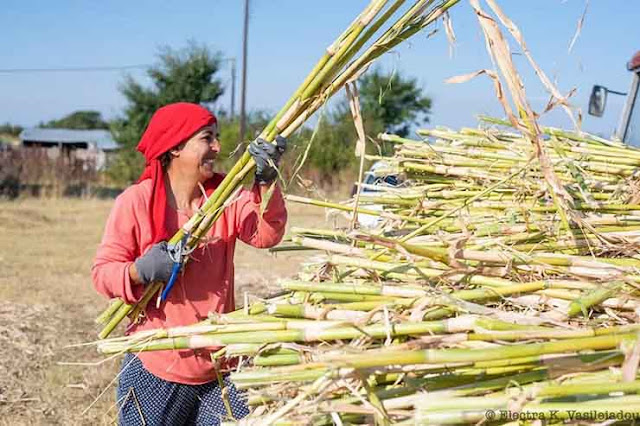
(97, 145)
(78, 139)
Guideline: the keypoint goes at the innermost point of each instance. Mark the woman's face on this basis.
(198, 154)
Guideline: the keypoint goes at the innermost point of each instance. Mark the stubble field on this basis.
(47, 302)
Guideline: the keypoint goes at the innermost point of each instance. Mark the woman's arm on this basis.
(261, 229)
(113, 272)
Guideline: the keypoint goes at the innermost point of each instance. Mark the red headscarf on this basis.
(169, 127)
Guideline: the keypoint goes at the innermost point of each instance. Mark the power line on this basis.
(72, 69)
(90, 68)
(118, 68)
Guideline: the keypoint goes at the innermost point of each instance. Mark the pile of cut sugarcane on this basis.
(469, 301)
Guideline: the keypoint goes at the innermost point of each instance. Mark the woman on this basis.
(180, 146)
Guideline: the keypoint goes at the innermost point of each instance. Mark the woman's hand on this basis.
(154, 265)
(267, 156)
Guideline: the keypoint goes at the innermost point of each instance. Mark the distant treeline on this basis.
(389, 102)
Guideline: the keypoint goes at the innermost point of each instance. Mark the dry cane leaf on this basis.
(546, 82)
(631, 361)
(579, 27)
(451, 36)
(455, 253)
(496, 84)
(354, 105)
(501, 56)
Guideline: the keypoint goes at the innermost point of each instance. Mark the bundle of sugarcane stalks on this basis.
(381, 26)
(470, 300)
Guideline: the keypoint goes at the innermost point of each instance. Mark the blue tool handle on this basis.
(171, 282)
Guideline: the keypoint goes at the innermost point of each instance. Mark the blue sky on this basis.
(286, 38)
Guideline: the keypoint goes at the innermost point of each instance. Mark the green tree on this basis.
(334, 145)
(185, 75)
(394, 101)
(10, 129)
(229, 129)
(82, 120)
(389, 102)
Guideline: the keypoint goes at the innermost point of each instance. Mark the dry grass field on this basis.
(47, 302)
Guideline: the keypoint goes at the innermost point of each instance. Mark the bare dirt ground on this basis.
(47, 302)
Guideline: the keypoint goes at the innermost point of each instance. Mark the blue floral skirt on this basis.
(144, 399)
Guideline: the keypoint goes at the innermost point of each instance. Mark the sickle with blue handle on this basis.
(177, 264)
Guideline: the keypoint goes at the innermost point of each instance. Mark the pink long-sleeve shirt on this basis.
(206, 282)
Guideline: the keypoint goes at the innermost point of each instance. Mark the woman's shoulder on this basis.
(138, 190)
(136, 196)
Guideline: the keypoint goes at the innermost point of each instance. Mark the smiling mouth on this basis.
(209, 161)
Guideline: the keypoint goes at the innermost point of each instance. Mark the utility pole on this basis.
(243, 87)
(232, 111)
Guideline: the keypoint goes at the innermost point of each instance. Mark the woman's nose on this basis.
(215, 145)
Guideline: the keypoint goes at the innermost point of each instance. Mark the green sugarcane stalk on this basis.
(503, 335)
(335, 206)
(502, 401)
(469, 382)
(376, 304)
(443, 255)
(106, 315)
(408, 25)
(447, 400)
(582, 304)
(119, 315)
(450, 301)
(415, 149)
(347, 288)
(551, 131)
(278, 335)
(465, 375)
(425, 273)
(291, 358)
(449, 356)
(316, 232)
(321, 312)
(124, 310)
(346, 299)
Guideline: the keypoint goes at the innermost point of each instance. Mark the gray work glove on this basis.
(155, 265)
(267, 155)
